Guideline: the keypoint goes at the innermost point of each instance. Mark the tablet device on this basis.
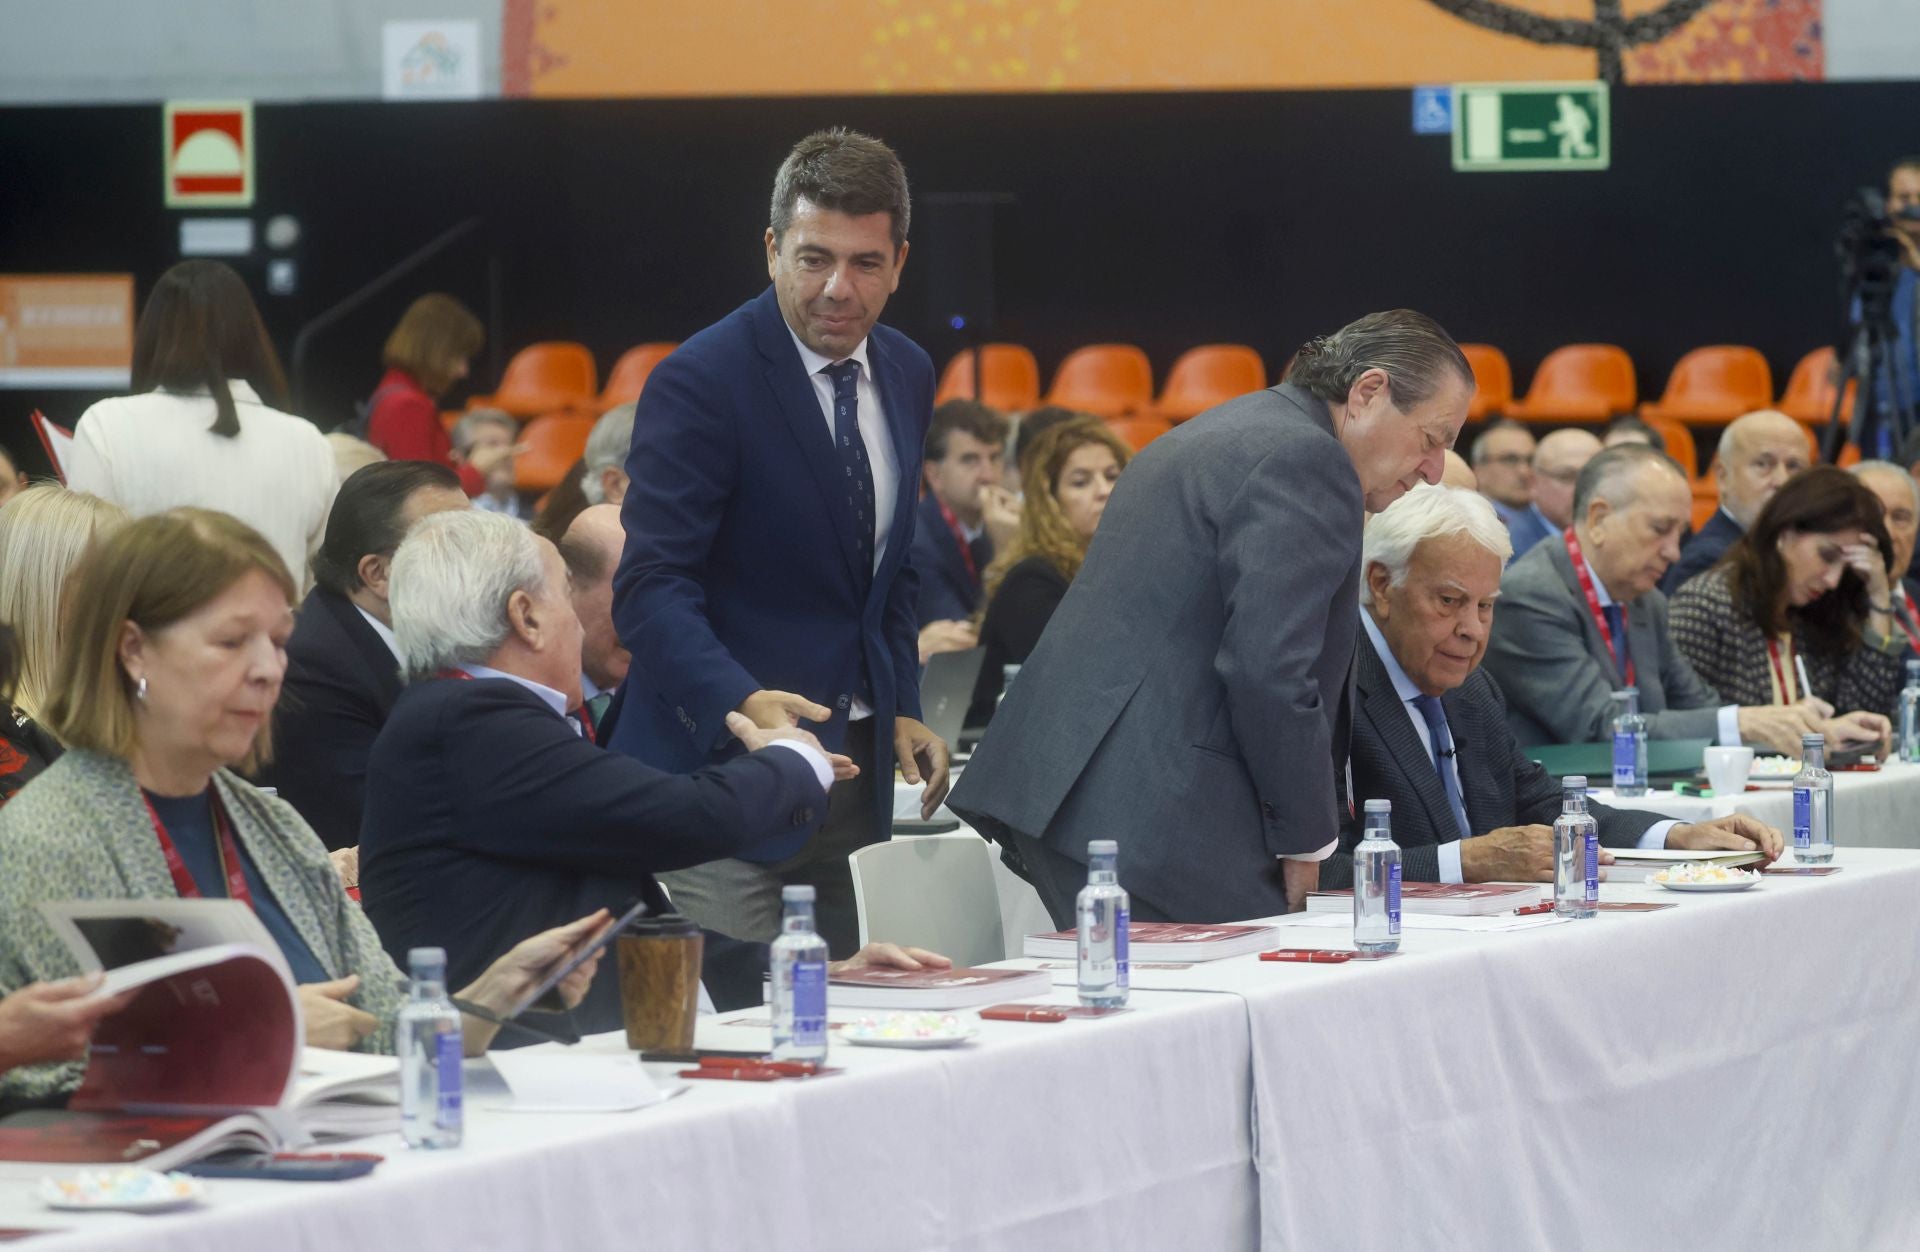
(546, 997)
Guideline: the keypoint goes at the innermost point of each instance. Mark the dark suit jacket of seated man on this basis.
(1499, 785)
(489, 818)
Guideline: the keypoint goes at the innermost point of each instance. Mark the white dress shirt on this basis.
(386, 634)
(156, 451)
(1655, 835)
(881, 461)
(1728, 719)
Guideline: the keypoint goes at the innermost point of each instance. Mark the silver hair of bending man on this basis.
(452, 584)
(1430, 732)
(604, 478)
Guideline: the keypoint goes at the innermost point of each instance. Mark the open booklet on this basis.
(207, 1056)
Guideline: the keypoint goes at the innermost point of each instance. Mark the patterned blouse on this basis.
(81, 831)
(1729, 651)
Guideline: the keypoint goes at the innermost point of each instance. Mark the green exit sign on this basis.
(1530, 126)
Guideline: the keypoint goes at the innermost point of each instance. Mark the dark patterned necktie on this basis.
(1436, 718)
(853, 455)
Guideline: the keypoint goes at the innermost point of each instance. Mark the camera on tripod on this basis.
(1871, 251)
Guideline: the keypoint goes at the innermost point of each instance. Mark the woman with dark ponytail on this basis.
(205, 425)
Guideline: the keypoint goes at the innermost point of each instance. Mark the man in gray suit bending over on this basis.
(1429, 727)
(1580, 617)
(1190, 696)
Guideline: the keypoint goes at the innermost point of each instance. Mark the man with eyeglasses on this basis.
(1557, 463)
(1503, 464)
(1757, 453)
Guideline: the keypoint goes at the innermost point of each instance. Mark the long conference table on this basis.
(1872, 808)
(1735, 1071)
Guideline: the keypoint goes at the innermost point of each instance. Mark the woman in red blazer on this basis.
(427, 353)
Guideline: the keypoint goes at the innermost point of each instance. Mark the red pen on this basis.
(1024, 1013)
(736, 1073)
(1307, 956)
(1545, 906)
(790, 1069)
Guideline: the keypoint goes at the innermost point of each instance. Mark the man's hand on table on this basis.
(1513, 854)
(1736, 833)
(893, 956)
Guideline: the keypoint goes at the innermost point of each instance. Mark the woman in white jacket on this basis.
(203, 429)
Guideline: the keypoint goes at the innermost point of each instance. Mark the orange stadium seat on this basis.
(1582, 382)
(1711, 386)
(1492, 381)
(1105, 379)
(1210, 375)
(629, 374)
(549, 446)
(1680, 445)
(1809, 394)
(1139, 429)
(544, 378)
(1010, 378)
(1706, 500)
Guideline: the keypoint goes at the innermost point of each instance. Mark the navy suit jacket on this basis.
(1702, 550)
(341, 683)
(948, 592)
(741, 570)
(490, 819)
(1527, 527)
(1499, 784)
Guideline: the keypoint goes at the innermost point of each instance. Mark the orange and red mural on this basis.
(839, 47)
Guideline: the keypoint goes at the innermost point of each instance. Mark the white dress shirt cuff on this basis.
(1656, 836)
(1450, 861)
(1730, 726)
(1320, 855)
(822, 770)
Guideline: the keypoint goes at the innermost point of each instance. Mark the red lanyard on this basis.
(1910, 620)
(1782, 669)
(1593, 606)
(959, 538)
(230, 863)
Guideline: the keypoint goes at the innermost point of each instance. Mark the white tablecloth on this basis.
(1735, 1071)
(1877, 809)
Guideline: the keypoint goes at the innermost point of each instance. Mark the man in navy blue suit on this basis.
(965, 513)
(770, 523)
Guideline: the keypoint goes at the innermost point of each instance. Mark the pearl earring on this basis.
(140, 690)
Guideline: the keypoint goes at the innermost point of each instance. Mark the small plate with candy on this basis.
(1694, 876)
(908, 1030)
(127, 1190)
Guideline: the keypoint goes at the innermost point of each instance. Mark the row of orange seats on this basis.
(1594, 382)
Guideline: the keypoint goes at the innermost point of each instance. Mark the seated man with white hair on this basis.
(604, 478)
(1430, 727)
(486, 806)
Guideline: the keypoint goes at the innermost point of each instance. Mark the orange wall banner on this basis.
(853, 47)
(66, 330)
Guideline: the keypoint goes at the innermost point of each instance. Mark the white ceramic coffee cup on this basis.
(1727, 770)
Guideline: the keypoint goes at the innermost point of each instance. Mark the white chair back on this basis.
(931, 891)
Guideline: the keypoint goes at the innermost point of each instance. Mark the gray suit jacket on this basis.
(1547, 655)
(1498, 784)
(1189, 696)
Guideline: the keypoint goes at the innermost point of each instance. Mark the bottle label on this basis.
(1592, 841)
(1120, 947)
(1393, 899)
(1626, 759)
(447, 1047)
(810, 1004)
(1803, 817)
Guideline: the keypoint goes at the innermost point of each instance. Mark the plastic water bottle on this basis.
(1101, 911)
(1629, 745)
(1813, 804)
(1910, 714)
(799, 964)
(1576, 853)
(428, 1037)
(1376, 882)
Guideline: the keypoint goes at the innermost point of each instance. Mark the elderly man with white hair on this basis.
(1430, 728)
(486, 806)
(604, 480)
